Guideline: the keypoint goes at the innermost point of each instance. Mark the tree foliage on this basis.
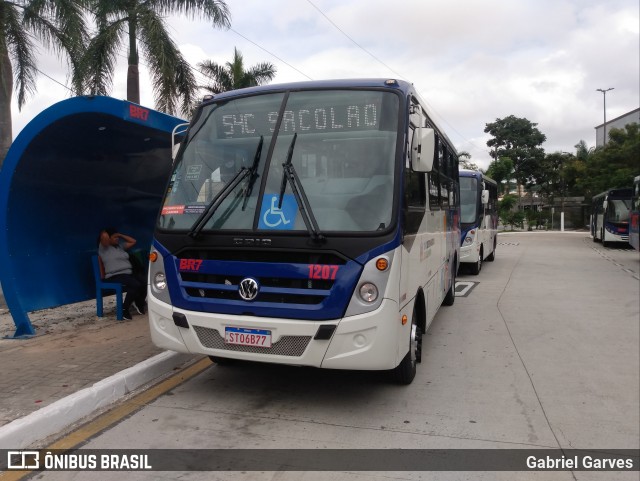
(58, 25)
(233, 75)
(507, 214)
(559, 174)
(501, 171)
(141, 24)
(611, 166)
(464, 161)
(520, 140)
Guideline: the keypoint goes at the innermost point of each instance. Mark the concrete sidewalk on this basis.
(76, 363)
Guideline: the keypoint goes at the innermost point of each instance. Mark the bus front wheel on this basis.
(492, 257)
(477, 267)
(405, 372)
(450, 298)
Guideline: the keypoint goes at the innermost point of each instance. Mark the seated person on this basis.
(118, 268)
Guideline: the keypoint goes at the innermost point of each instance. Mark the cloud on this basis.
(472, 61)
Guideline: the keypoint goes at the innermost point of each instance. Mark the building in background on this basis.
(617, 123)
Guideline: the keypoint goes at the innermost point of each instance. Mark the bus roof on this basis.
(402, 85)
(620, 193)
(476, 174)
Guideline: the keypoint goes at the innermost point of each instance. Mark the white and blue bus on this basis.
(610, 216)
(478, 219)
(634, 216)
(312, 224)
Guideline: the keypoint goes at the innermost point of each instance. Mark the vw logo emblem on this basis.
(248, 289)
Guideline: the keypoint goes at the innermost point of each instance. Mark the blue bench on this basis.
(102, 286)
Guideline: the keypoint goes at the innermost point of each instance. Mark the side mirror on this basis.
(485, 197)
(423, 149)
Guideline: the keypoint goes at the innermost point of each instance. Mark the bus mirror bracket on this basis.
(485, 197)
(423, 150)
(178, 130)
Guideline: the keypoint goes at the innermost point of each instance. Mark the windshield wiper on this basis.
(208, 212)
(242, 174)
(291, 176)
(253, 172)
(283, 182)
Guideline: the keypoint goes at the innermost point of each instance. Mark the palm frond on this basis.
(214, 10)
(186, 85)
(97, 65)
(221, 80)
(262, 73)
(20, 48)
(172, 78)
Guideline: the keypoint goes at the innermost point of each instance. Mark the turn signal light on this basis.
(382, 264)
(153, 256)
(404, 319)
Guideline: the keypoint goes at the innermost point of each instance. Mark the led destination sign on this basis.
(352, 117)
(315, 112)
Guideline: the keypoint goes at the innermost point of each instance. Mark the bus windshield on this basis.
(469, 200)
(618, 210)
(227, 178)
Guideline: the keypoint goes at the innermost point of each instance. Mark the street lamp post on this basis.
(604, 95)
(563, 187)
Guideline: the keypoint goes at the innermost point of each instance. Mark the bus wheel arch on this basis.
(450, 297)
(420, 309)
(491, 257)
(405, 372)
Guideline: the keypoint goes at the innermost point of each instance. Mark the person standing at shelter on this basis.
(118, 268)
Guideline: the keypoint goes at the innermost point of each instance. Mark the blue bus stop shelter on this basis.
(81, 165)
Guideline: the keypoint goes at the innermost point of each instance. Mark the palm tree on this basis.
(141, 22)
(58, 25)
(233, 75)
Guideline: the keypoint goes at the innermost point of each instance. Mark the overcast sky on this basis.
(472, 61)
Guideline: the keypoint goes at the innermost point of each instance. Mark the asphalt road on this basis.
(539, 351)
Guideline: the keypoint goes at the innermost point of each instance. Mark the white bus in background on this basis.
(611, 211)
(634, 218)
(333, 242)
(478, 219)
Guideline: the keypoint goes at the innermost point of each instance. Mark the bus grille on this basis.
(293, 346)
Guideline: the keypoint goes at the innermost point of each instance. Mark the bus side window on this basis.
(443, 162)
(434, 179)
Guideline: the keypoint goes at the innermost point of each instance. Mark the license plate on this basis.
(247, 337)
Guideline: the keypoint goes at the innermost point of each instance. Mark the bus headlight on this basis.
(160, 281)
(369, 292)
(157, 280)
(468, 239)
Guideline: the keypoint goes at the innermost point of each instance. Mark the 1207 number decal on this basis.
(323, 272)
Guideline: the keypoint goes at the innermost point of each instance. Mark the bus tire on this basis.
(492, 257)
(477, 267)
(405, 372)
(450, 298)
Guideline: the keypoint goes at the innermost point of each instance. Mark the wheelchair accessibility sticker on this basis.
(272, 217)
